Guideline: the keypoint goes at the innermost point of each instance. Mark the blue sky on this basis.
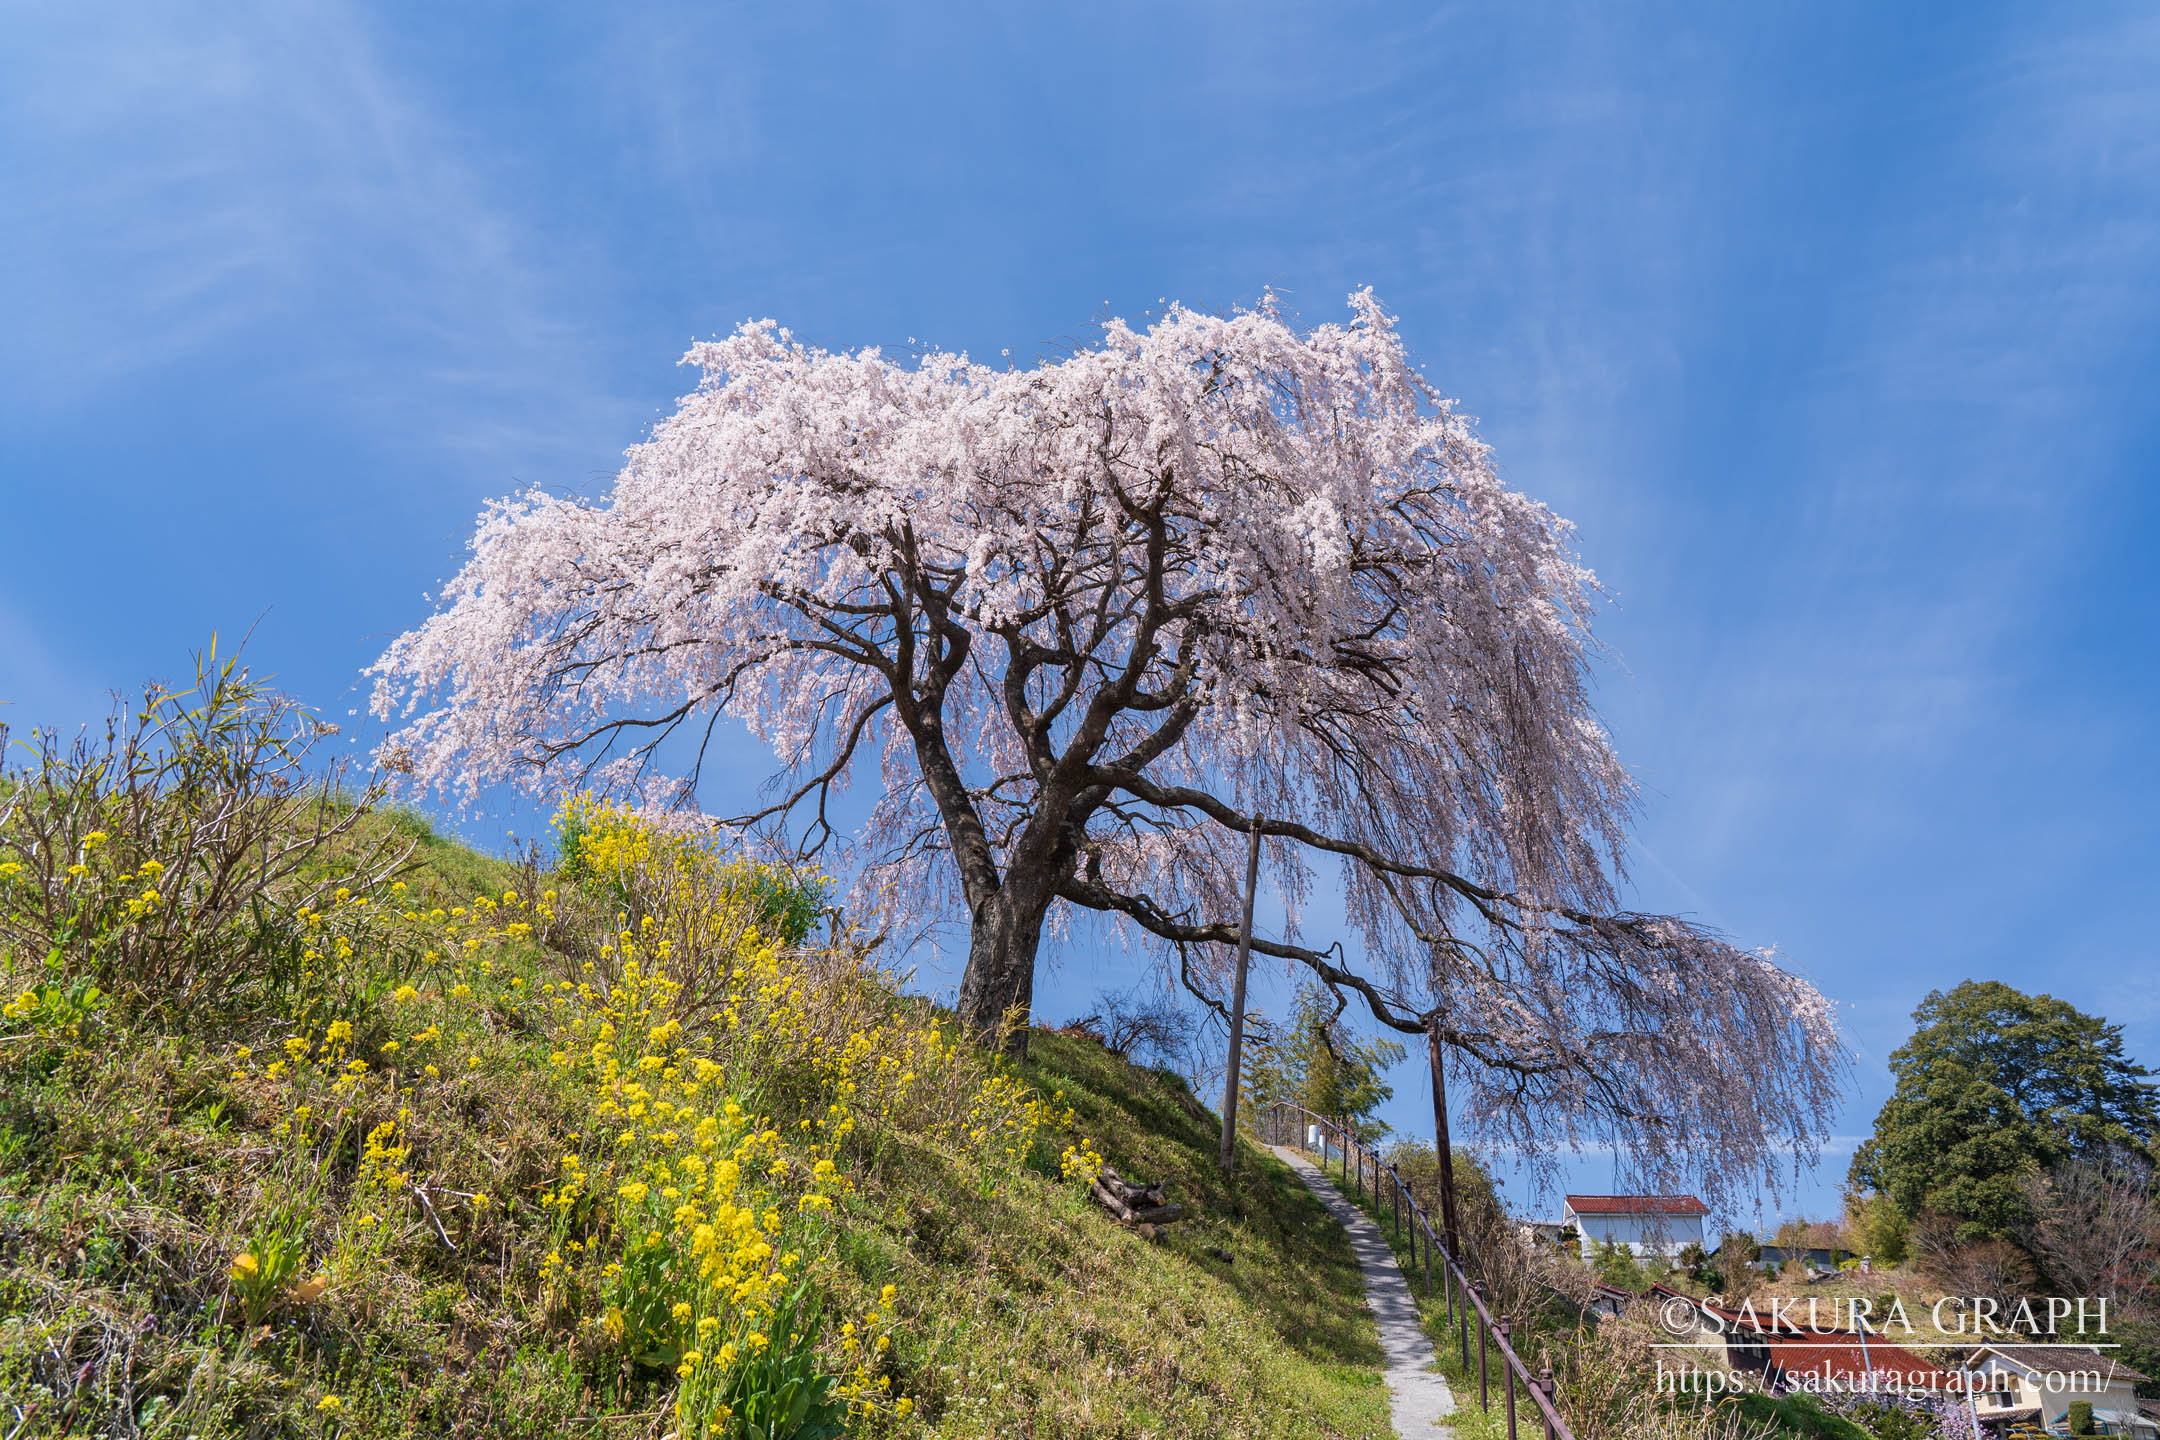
(1834, 327)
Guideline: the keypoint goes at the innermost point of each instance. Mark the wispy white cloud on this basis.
(197, 176)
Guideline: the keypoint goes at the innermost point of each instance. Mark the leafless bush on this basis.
(1607, 1388)
(167, 861)
(1146, 1028)
(1988, 1269)
(1738, 1273)
(2096, 1230)
(1520, 1276)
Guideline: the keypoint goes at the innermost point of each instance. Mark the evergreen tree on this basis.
(1315, 1061)
(1994, 1084)
(1617, 1266)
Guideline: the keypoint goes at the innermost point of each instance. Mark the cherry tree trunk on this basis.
(1000, 976)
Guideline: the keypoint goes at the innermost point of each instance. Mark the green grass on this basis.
(137, 1161)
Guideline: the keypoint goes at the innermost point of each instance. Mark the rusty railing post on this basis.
(1507, 1369)
(1477, 1306)
(1545, 1388)
(1462, 1316)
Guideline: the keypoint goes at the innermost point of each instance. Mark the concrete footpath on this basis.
(1418, 1396)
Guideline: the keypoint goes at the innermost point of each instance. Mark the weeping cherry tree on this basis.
(1085, 626)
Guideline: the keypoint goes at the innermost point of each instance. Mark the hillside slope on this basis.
(402, 1169)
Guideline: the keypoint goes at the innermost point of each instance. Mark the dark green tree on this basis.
(1617, 1266)
(1317, 1062)
(1992, 1084)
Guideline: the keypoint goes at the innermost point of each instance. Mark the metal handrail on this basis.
(1461, 1295)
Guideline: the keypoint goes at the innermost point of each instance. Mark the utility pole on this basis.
(1444, 1150)
(1237, 1003)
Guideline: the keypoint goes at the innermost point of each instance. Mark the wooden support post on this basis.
(1443, 1148)
(1237, 1004)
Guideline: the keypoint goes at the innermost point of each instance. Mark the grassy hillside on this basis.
(431, 1143)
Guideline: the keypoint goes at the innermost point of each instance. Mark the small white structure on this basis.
(1646, 1224)
(2037, 1384)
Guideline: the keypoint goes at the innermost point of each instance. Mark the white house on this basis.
(1646, 1224)
(2038, 1384)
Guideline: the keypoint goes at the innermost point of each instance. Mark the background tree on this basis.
(1993, 1086)
(2096, 1231)
(1093, 622)
(1737, 1275)
(1317, 1061)
(1145, 1025)
(1875, 1227)
(1616, 1265)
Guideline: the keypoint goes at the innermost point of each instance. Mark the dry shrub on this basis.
(1520, 1276)
(167, 862)
(1607, 1388)
(2096, 1230)
(1990, 1269)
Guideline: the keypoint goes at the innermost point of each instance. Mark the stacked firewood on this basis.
(1134, 1203)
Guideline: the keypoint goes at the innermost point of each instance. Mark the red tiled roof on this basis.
(1636, 1205)
(1841, 1357)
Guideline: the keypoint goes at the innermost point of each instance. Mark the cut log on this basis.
(1133, 1192)
(1110, 1200)
(1134, 1204)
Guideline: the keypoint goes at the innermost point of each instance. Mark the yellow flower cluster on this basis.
(687, 1222)
(694, 1218)
(1081, 1162)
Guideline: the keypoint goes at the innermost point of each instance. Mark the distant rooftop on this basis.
(2063, 1359)
(1636, 1205)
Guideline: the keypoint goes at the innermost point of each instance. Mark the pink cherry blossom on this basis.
(1082, 626)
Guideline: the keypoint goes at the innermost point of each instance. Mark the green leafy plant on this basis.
(777, 1391)
(57, 1009)
(1617, 1266)
(262, 1274)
